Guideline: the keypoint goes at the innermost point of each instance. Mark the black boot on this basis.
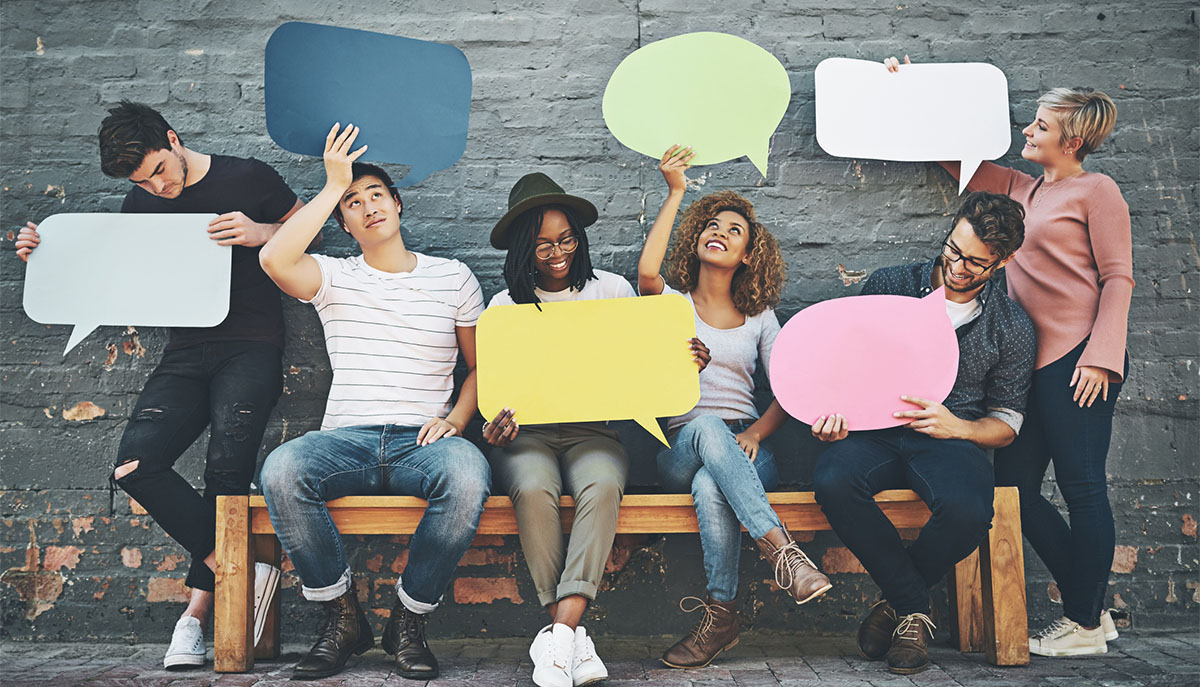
(344, 631)
(405, 637)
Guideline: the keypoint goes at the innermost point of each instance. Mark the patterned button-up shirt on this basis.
(996, 350)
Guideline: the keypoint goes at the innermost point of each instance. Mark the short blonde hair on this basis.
(1090, 115)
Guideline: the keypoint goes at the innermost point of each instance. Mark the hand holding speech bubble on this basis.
(411, 98)
(155, 270)
(663, 94)
(923, 113)
(844, 356)
(585, 361)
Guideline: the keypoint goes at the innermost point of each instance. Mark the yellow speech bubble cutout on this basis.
(586, 361)
(720, 94)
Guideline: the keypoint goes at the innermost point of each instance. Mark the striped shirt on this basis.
(391, 338)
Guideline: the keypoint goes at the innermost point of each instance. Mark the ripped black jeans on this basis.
(229, 387)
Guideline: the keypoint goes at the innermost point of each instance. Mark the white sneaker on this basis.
(552, 653)
(1065, 637)
(1109, 627)
(266, 581)
(586, 666)
(187, 644)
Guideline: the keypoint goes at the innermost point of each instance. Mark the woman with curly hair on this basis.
(730, 269)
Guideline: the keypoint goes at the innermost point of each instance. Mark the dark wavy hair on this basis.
(998, 221)
(129, 133)
(520, 271)
(756, 286)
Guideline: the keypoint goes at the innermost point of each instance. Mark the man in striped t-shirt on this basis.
(394, 323)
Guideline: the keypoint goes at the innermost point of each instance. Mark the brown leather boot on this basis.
(794, 570)
(344, 631)
(717, 631)
(404, 636)
(910, 644)
(875, 633)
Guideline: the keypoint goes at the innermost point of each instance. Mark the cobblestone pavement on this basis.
(766, 660)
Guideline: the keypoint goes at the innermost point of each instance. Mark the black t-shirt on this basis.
(232, 184)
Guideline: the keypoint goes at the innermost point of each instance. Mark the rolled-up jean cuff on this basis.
(329, 593)
(418, 607)
(581, 587)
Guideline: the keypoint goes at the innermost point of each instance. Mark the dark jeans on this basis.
(952, 476)
(230, 387)
(1056, 429)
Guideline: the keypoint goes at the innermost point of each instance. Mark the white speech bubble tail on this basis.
(759, 158)
(651, 425)
(966, 170)
(79, 333)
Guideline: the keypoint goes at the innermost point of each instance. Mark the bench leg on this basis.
(966, 604)
(1002, 571)
(267, 550)
(233, 612)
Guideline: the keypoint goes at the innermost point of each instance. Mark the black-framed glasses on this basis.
(951, 253)
(566, 245)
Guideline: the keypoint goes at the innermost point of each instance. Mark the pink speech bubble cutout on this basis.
(857, 356)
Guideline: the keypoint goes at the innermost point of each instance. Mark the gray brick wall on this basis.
(78, 561)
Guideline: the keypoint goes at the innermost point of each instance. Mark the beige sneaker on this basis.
(1109, 627)
(1065, 637)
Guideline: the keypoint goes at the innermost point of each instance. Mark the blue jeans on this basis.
(952, 476)
(729, 491)
(1079, 555)
(301, 475)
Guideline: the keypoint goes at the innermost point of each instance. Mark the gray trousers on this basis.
(590, 462)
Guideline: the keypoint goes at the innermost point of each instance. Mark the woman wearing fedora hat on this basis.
(729, 267)
(548, 261)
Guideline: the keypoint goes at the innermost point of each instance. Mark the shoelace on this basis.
(558, 655)
(790, 558)
(1055, 628)
(414, 626)
(706, 623)
(589, 650)
(910, 624)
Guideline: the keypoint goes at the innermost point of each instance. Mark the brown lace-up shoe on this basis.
(344, 631)
(910, 644)
(794, 570)
(717, 631)
(875, 633)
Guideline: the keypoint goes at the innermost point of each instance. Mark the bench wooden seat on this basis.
(987, 589)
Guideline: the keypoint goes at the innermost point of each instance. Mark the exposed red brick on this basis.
(81, 525)
(136, 508)
(374, 563)
(400, 562)
(58, 557)
(131, 557)
(171, 589)
(82, 411)
(488, 540)
(1189, 525)
(622, 549)
(487, 557)
(170, 562)
(485, 590)
(1124, 559)
(838, 559)
(38, 589)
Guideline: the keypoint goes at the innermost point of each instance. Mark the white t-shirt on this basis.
(727, 384)
(605, 285)
(391, 338)
(962, 313)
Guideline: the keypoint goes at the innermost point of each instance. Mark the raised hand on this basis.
(338, 158)
(27, 240)
(673, 165)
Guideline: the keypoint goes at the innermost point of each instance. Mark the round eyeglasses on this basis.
(566, 245)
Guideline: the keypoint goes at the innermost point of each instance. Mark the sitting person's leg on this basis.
(453, 476)
(297, 480)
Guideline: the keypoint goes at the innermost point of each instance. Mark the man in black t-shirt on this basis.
(226, 377)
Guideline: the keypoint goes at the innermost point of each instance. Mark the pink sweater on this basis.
(1074, 272)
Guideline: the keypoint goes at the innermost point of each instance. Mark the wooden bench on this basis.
(987, 589)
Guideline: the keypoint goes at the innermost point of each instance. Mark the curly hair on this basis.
(998, 221)
(756, 286)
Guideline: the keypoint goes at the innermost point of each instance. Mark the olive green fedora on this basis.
(535, 190)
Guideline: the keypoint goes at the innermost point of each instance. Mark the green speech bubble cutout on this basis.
(720, 94)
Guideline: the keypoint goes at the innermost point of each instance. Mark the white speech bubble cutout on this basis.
(152, 270)
(924, 112)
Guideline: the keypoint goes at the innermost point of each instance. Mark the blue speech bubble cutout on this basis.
(410, 98)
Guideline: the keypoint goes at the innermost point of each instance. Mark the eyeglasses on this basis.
(951, 254)
(566, 245)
